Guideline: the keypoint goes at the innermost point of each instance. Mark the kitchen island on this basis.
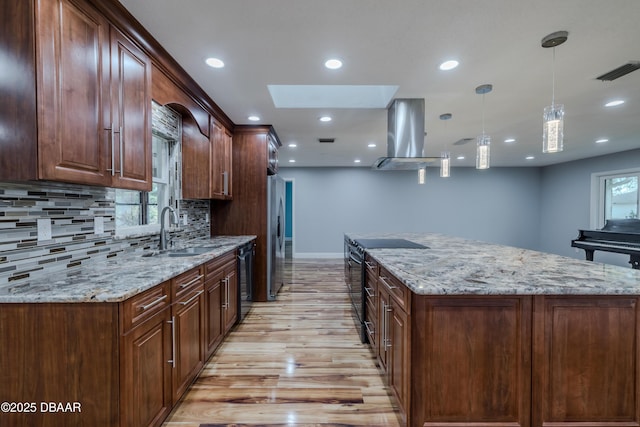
(471, 333)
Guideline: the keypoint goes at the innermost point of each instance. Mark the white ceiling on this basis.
(402, 43)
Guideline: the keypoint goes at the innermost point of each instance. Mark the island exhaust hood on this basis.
(405, 137)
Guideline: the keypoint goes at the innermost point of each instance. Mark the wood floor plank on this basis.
(296, 361)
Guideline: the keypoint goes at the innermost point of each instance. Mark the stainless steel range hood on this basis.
(405, 137)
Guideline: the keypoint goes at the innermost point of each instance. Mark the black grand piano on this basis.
(618, 235)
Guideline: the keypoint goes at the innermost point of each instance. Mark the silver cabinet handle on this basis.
(121, 154)
(225, 283)
(113, 151)
(173, 341)
(225, 183)
(369, 264)
(192, 298)
(152, 303)
(369, 330)
(387, 341)
(191, 282)
(369, 292)
(384, 280)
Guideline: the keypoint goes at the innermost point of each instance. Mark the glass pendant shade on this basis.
(445, 165)
(553, 129)
(483, 152)
(422, 174)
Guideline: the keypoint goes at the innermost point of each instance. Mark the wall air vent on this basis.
(623, 70)
(463, 141)
(326, 140)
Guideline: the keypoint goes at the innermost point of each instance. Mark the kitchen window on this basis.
(617, 196)
(138, 211)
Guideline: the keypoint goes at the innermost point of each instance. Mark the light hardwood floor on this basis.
(295, 361)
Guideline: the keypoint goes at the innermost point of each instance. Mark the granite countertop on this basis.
(116, 279)
(456, 266)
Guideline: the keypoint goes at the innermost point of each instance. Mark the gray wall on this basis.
(566, 202)
(496, 205)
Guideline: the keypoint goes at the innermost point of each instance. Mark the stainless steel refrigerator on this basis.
(276, 193)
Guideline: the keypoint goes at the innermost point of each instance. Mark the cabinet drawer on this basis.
(186, 282)
(219, 262)
(371, 323)
(139, 308)
(399, 292)
(372, 266)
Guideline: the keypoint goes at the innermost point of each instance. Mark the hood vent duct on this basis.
(405, 137)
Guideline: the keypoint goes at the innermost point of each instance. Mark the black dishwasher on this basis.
(246, 255)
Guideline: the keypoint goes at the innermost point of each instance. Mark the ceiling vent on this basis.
(620, 71)
(463, 141)
(326, 140)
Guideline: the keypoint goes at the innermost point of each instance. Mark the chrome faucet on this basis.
(173, 219)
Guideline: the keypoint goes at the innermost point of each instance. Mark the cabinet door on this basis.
(586, 357)
(220, 162)
(189, 357)
(196, 167)
(131, 105)
(146, 372)
(399, 345)
(213, 316)
(73, 92)
(231, 298)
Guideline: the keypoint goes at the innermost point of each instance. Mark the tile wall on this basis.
(72, 210)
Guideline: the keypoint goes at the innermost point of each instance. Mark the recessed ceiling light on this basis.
(449, 65)
(509, 140)
(356, 161)
(614, 103)
(325, 119)
(292, 161)
(601, 140)
(372, 145)
(530, 157)
(333, 64)
(214, 62)
(253, 118)
(293, 145)
(460, 158)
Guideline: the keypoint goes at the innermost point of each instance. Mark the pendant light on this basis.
(483, 142)
(445, 164)
(445, 157)
(553, 115)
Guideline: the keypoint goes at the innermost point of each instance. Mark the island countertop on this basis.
(116, 279)
(456, 266)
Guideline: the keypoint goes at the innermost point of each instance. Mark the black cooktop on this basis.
(389, 244)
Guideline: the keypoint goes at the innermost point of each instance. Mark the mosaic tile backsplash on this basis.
(72, 210)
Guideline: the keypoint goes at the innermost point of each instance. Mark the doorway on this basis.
(288, 220)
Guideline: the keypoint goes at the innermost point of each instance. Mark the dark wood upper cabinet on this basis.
(92, 97)
(72, 41)
(130, 114)
(221, 161)
(79, 96)
(17, 91)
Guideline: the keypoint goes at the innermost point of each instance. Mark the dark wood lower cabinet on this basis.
(471, 361)
(120, 364)
(586, 355)
(499, 360)
(59, 353)
(146, 372)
